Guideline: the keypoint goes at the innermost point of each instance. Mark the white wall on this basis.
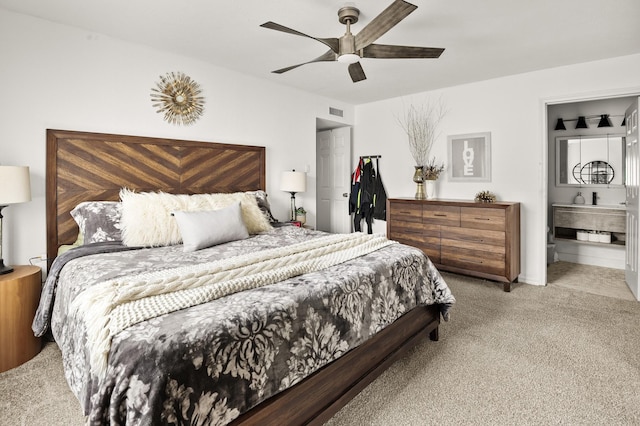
(513, 109)
(54, 76)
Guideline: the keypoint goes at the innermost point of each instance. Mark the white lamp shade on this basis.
(293, 181)
(15, 185)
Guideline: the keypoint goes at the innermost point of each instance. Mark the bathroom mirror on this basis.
(590, 160)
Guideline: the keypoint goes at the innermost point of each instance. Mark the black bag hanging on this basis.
(379, 197)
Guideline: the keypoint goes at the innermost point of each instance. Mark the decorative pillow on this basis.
(204, 229)
(99, 221)
(147, 221)
(263, 203)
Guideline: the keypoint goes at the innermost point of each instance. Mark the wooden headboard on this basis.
(85, 166)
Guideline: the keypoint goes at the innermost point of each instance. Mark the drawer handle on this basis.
(472, 261)
(482, 218)
(440, 215)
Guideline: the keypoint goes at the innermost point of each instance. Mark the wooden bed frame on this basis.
(85, 166)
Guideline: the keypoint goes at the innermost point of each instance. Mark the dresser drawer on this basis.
(441, 215)
(474, 260)
(445, 241)
(482, 218)
(424, 237)
(405, 212)
(481, 236)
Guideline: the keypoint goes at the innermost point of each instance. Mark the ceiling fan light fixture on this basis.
(348, 58)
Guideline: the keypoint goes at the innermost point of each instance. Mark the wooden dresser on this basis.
(478, 239)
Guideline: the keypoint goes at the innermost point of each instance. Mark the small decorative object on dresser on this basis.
(19, 297)
(418, 178)
(478, 239)
(485, 197)
(431, 174)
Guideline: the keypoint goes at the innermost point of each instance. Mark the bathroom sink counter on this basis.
(569, 219)
(591, 206)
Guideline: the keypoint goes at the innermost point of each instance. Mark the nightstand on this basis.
(19, 298)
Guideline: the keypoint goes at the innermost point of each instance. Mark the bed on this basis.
(292, 349)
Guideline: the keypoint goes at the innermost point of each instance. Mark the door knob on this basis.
(345, 194)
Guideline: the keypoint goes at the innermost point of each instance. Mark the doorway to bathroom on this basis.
(588, 257)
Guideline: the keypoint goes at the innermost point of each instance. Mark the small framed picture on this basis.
(470, 157)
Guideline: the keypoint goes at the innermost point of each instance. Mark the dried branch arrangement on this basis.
(421, 125)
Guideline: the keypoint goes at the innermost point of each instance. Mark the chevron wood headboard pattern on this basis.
(85, 166)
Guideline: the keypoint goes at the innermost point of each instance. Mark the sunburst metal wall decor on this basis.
(178, 97)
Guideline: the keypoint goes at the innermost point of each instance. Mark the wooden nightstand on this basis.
(19, 297)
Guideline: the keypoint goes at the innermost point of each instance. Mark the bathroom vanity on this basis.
(584, 223)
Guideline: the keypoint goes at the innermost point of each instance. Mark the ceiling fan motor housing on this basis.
(348, 14)
(347, 44)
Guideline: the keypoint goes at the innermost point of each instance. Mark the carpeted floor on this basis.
(589, 278)
(538, 355)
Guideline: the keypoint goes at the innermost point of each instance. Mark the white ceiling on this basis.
(483, 38)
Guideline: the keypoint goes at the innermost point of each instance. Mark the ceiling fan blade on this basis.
(382, 51)
(387, 19)
(332, 43)
(328, 56)
(356, 72)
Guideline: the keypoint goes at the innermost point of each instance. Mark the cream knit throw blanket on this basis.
(120, 303)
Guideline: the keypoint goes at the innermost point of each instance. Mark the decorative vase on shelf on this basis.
(430, 186)
(418, 178)
(579, 199)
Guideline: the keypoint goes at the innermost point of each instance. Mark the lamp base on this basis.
(4, 269)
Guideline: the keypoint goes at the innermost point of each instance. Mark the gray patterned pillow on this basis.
(99, 221)
(263, 203)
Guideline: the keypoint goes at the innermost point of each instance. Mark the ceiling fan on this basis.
(350, 49)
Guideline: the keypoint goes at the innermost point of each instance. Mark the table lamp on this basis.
(293, 182)
(15, 187)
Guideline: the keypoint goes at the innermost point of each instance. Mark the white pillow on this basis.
(204, 229)
(146, 216)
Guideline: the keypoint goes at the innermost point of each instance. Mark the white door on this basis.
(632, 162)
(333, 159)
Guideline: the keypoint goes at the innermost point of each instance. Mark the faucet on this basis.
(594, 198)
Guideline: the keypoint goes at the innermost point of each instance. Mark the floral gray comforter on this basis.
(212, 362)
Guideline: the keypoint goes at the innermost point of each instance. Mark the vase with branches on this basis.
(420, 123)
